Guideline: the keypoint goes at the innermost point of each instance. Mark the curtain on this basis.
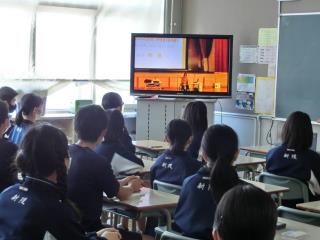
(221, 55)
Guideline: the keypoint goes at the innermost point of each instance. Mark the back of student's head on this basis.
(178, 133)
(90, 122)
(111, 100)
(43, 151)
(115, 126)
(246, 212)
(195, 114)
(297, 131)
(220, 146)
(28, 104)
(7, 94)
(3, 112)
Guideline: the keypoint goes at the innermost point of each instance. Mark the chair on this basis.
(298, 189)
(166, 187)
(299, 215)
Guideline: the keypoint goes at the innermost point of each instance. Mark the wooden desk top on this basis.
(148, 199)
(268, 188)
(310, 206)
(247, 160)
(258, 149)
(313, 232)
(151, 145)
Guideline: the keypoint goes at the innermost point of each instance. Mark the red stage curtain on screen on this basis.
(221, 55)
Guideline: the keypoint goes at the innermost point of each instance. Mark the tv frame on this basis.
(180, 94)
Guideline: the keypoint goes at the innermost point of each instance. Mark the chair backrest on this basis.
(166, 187)
(174, 236)
(298, 189)
(48, 236)
(299, 215)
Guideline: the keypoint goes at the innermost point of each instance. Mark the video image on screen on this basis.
(187, 65)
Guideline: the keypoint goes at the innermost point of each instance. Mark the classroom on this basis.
(159, 119)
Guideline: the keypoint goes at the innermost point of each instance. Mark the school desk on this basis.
(312, 232)
(257, 151)
(147, 202)
(271, 189)
(152, 148)
(310, 206)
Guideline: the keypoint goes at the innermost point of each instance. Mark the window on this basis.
(63, 42)
(117, 21)
(15, 25)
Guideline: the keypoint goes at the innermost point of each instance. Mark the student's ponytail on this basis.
(220, 146)
(19, 117)
(223, 177)
(178, 133)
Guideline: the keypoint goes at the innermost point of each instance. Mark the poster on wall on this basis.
(264, 96)
(246, 82)
(248, 54)
(245, 101)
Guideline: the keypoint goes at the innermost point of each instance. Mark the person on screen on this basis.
(245, 212)
(30, 109)
(294, 158)
(113, 100)
(184, 85)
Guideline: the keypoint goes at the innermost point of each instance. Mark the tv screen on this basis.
(181, 65)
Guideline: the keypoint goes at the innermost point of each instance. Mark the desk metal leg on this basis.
(168, 218)
(280, 198)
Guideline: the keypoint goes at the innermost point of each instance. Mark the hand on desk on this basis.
(125, 181)
(136, 184)
(109, 234)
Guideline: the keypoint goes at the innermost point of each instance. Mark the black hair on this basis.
(195, 114)
(27, 104)
(7, 94)
(178, 133)
(246, 212)
(220, 145)
(42, 152)
(3, 112)
(297, 131)
(90, 121)
(111, 100)
(115, 126)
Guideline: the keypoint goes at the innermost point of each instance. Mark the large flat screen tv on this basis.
(181, 65)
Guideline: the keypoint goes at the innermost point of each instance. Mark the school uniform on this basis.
(37, 206)
(174, 169)
(9, 130)
(195, 211)
(18, 132)
(195, 144)
(88, 177)
(121, 159)
(8, 173)
(303, 165)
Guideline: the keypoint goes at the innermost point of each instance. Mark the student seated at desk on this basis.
(30, 110)
(8, 173)
(175, 164)
(113, 100)
(122, 160)
(8, 95)
(199, 195)
(195, 114)
(90, 175)
(245, 212)
(39, 205)
(294, 157)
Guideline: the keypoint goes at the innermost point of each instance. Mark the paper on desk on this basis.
(293, 234)
(268, 37)
(264, 95)
(246, 82)
(248, 54)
